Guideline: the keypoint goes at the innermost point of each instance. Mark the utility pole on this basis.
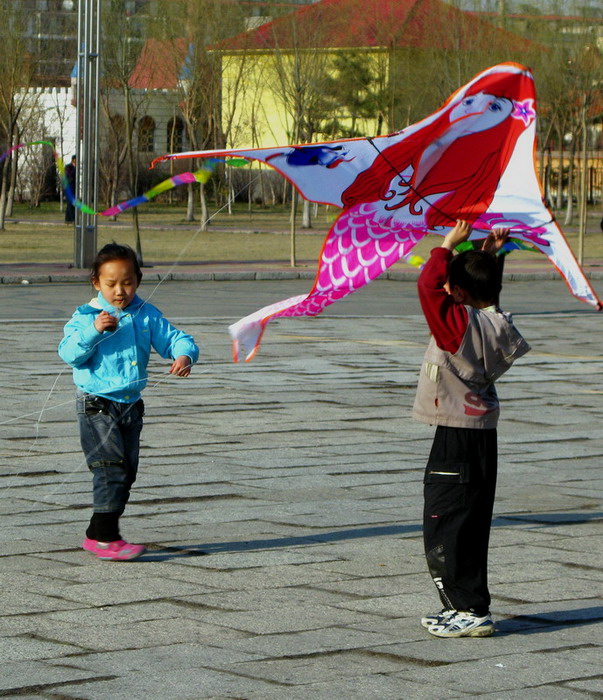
(87, 152)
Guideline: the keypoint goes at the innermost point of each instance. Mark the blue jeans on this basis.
(110, 437)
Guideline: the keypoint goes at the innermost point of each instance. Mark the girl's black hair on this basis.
(115, 251)
(478, 273)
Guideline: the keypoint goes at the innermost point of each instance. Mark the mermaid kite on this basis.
(473, 160)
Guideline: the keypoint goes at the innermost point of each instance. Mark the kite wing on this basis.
(320, 172)
(473, 160)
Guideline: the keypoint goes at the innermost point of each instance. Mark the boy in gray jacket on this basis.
(472, 344)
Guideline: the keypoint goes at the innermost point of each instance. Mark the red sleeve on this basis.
(446, 319)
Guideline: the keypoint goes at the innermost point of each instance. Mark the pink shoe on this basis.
(119, 550)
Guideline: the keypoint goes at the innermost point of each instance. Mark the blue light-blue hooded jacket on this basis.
(113, 364)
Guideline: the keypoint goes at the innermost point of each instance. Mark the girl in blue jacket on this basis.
(108, 343)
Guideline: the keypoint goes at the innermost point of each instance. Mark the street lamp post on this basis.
(88, 104)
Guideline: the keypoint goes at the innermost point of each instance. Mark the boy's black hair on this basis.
(115, 251)
(476, 272)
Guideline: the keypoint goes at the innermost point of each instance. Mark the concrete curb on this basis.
(259, 275)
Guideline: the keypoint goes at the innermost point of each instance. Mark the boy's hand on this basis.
(105, 322)
(181, 366)
(459, 234)
(496, 240)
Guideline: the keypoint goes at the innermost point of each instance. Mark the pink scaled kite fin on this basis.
(358, 248)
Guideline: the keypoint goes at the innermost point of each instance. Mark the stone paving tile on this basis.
(546, 590)
(506, 672)
(85, 631)
(430, 652)
(18, 602)
(191, 684)
(592, 686)
(381, 687)
(306, 642)
(257, 599)
(172, 657)
(544, 692)
(100, 594)
(376, 587)
(264, 578)
(18, 676)
(282, 501)
(295, 617)
(339, 666)
(24, 647)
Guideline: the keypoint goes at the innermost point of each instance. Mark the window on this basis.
(146, 134)
(175, 135)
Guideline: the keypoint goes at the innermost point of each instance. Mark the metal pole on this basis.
(88, 93)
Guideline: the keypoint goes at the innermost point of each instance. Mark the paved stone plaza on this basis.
(281, 504)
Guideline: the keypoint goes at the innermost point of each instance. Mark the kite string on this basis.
(44, 408)
(162, 279)
(406, 182)
(6, 489)
(57, 487)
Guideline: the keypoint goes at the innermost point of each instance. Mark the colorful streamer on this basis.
(202, 175)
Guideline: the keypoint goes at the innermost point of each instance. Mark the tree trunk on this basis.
(203, 203)
(262, 186)
(560, 183)
(190, 202)
(132, 174)
(583, 187)
(285, 183)
(230, 190)
(10, 200)
(293, 217)
(272, 192)
(306, 215)
(4, 192)
(569, 212)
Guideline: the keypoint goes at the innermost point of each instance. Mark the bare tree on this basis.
(206, 101)
(119, 58)
(17, 72)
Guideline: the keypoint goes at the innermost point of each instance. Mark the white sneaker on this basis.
(463, 624)
(436, 618)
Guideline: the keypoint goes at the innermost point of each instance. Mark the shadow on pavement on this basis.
(550, 621)
(199, 550)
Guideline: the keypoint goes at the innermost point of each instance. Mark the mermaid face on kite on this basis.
(479, 112)
(447, 168)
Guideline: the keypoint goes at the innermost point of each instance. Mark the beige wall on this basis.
(252, 99)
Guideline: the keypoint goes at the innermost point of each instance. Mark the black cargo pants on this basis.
(459, 488)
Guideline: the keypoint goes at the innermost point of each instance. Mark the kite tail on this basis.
(358, 248)
(202, 175)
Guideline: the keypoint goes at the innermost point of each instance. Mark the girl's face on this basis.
(480, 112)
(117, 282)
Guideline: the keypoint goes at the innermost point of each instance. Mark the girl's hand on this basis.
(459, 234)
(105, 322)
(181, 366)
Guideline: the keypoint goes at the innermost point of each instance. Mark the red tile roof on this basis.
(415, 24)
(159, 65)
(376, 23)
